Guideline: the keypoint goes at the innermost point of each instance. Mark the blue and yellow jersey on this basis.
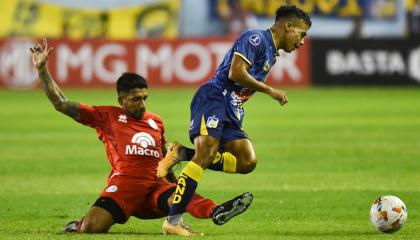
(257, 48)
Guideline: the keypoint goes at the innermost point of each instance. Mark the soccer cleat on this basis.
(181, 229)
(71, 227)
(172, 157)
(221, 214)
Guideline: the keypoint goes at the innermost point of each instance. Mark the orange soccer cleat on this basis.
(181, 229)
(172, 157)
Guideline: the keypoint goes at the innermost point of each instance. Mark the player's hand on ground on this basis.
(40, 54)
(278, 95)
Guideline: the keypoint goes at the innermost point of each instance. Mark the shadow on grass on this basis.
(331, 234)
(113, 234)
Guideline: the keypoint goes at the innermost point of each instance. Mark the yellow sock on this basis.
(229, 162)
(193, 170)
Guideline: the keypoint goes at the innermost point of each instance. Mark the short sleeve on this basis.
(90, 116)
(163, 137)
(249, 46)
(162, 130)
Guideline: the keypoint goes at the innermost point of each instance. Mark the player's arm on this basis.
(55, 95)
(239, 73)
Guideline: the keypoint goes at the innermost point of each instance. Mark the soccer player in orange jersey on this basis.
(135, 143)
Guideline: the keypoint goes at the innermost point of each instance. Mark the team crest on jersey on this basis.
(212, 122)
(122, 118)
(266, 66)
(112, 188)
(152, 124)
(255, 40)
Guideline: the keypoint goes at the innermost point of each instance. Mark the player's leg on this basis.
(117, 203)
(238, 155)
(208, 115)
(99, 219)
(243, 150)
(177, 153)
(161, 199)
(206, 149)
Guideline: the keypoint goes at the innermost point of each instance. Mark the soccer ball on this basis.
(388, 214)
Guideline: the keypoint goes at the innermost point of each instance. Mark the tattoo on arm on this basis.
(56, 96)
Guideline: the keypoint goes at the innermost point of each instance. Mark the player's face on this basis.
(134, 103)
(295, 35)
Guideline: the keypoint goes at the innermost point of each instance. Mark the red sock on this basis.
(200, 207)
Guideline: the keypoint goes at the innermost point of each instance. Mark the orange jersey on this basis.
(133, 147)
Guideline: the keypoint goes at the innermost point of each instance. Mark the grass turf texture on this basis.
(323, 159)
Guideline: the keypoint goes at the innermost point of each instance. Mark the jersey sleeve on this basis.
(90, 116)
(162, 132)
(249, 46)
(163, 137)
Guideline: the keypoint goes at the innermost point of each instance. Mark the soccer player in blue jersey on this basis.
(217, 113)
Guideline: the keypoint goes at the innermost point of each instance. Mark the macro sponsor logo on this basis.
(141, 142)
(374, 62)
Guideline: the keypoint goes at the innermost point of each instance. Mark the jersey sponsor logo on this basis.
(235, 100)
(255, 40)
(122, 118)
(152, 124)
(144, 140)
(191, 124)
(112, 188)
(266, 66)
(212, 122)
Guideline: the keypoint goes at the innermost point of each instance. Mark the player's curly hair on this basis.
(286, 11)
(128, 81)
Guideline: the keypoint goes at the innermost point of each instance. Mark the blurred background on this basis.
(181, 42)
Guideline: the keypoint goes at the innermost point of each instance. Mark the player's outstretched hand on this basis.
(40, 54)
(278, 95)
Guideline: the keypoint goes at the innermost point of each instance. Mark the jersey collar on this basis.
(273, 43)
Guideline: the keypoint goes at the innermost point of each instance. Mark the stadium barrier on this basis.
(181, 62)
(366, 62)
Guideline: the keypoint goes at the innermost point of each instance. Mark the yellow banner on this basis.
(79, 24)
(34, 19)
(152, 20)
(411, 4)
(26, 18)
(336, 8)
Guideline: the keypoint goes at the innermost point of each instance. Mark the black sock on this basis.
(188, 152)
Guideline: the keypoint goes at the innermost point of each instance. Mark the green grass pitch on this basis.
(322, 160)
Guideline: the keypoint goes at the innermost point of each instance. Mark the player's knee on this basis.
(205, 159)
(93, 226)
(206, 150)
(248, 165)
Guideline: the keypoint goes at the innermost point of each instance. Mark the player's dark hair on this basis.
(287, 11)
(128, 81)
